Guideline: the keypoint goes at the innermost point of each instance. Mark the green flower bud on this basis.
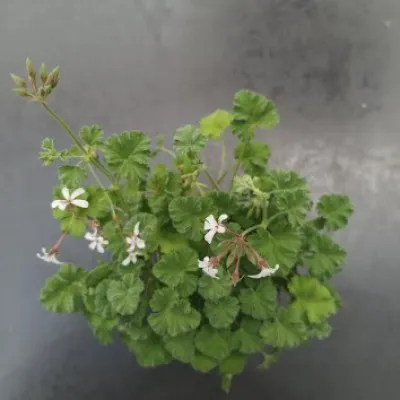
(43, 73)
(21, 92)
(18, 81)
(42, 91)
(48, 89)
(52, 79)
(30, 69)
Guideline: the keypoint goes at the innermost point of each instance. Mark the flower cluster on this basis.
(134, 243)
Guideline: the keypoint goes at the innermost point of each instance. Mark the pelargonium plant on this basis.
(207, 274)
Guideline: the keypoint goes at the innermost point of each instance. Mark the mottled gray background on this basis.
(332, 66)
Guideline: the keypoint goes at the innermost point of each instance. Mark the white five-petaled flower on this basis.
(132, 258)
(265, 271)
(213, 226)
(70, 199)
(207, 267)
(135, 241)
(97, 241)
(49, 256)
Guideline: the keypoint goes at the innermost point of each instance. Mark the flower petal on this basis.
(80, 203)
(209, 236)
(222, 218)
(212, 272)
(136, 229)
(100, 248)
(258, 276)
(92, 245)
(210, 222)
(126, 261)
(76, 193)
(65, 193)
(90, 236)
(60, 204)
(140, 243)
(221, 229)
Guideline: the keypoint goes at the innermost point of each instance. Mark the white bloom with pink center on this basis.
(135, 241)
(207, 267)
(213, 226)
(265, 272)
(70, 199)
(97, 241)
(49, 256)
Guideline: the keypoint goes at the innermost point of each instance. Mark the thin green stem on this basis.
(251, 229)
(212, 180)
(167, 151)
(75, 139)
(97, 179)
(223, 160)
(235, 172)
(268, 221)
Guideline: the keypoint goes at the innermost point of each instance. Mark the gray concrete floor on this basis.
(332, 66)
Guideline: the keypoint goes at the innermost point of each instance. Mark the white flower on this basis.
(49, 256)
(265, 272)
(97, 241)
(134, 240)
(70, 199)
(213, 227)
(207, 267)
(132, 258)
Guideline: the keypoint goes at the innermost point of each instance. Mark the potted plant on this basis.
(206, 274)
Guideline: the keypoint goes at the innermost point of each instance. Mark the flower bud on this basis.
(21, 92)
(48, 89)
(43, 73)
(18, 81)
(52, 79)
(42, 91)
(30, 69)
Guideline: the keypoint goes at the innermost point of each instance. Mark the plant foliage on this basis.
(165, 291)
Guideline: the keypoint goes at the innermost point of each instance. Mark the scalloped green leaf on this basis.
(188, 141)
(124, 294)
(71, 175)
(223, 312)
(325, 258)
(260, 302)
(248, 337)
(215, 289)
(311, 298)
(102, 328)
(288, 329)
(63, 292)
(128, 154)
(252, 110)
(295, 205)
(181, 347)
(214, 125)
(216, 344)
(92, 135)
(203, 363)
(233, 364)
(188, 215)
(336, 210)
(253, 156)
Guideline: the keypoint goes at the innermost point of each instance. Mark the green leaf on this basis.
(214, 125)
(63, 292)
(320, 330)
(181, 347)
(215, 289)
(311, 298)
(149, 352)
(91, 135)
(336, 210)
(189, 141)
(71, 175)
(177, 268)
(279, 182)
(128, 155)
(98, 301)
(169, 242)
(296, 205)
(253, 156)
(279, 247)
(188, 215)
(74, 224)
(226, 383)
(269, 359)
(288, 330)
(223, 312)
(49, 154)
(233, 365)
(98, 274)
(248, 337)
(261, 302)
(203, 363)
(325, 258)
(216, 344)
(172, 315)
(102, 328)
(250, 111)
(124, 295)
